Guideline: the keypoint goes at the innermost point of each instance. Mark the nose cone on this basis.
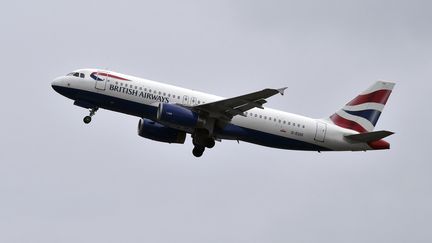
(56, 84)
(62, 86)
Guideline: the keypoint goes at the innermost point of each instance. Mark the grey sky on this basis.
(63, 181)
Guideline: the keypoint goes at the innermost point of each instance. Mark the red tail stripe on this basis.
(342, 122)
(379, 96)
(380, 144)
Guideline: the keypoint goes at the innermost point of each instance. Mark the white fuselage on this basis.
(120, 87)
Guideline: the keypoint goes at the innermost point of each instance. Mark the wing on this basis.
(228, 108)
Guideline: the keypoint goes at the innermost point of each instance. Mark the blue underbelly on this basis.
(231, 131)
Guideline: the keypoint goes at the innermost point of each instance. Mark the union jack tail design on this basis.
(362, 113)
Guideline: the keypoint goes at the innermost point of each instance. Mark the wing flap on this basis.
(250, 105)
(228, 108)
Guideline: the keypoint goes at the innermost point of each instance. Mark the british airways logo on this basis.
(100, 76)
(137, 93)
(96, 77)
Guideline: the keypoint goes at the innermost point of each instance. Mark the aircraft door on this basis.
(185, 100)
(321, 129)
(101, 81)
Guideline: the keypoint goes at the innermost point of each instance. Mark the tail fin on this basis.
(362, 113)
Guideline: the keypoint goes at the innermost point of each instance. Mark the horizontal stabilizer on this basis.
(369, 136)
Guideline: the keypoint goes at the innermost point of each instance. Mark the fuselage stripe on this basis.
(109, 75)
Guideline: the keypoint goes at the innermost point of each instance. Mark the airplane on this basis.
(167, 113)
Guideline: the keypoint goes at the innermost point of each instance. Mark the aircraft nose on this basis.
(57, 84)
(62, 86)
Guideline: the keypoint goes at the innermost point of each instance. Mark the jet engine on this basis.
(178, 116)
(158, 132)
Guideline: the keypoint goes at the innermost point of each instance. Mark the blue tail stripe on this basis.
(370, 115)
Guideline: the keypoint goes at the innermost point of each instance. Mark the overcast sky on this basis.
(63, 181)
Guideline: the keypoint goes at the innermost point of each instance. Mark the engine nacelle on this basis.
(158, 132)
(178, 116)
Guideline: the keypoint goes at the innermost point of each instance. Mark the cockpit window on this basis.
(75, 74)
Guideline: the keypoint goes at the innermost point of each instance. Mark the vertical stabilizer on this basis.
(362, 113)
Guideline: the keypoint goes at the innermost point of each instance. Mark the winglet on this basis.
(282, 90)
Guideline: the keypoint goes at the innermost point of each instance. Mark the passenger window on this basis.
(284, 122)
